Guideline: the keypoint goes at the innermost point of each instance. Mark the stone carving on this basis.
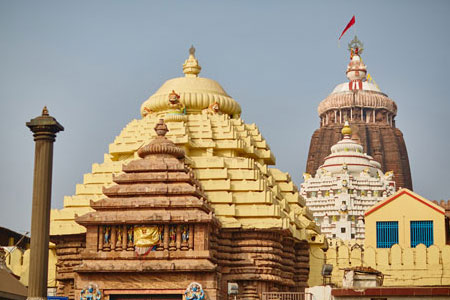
(177, 110)
(184, 237)
(119, 238)
(160, 245)
(172, 237)
(130, 239)
(91, 292)
(145, 239)
(146, 111)
(389, 175)
(306, 176)
(107, 236)
(194, 291)
(213, 109)
(176, 107)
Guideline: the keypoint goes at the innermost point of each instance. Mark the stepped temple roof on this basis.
(152, 189)
(229, 158)
(350, 154)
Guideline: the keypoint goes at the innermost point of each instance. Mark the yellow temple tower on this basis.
(230, 159)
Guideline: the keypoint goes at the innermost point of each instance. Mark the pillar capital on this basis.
(44, 126)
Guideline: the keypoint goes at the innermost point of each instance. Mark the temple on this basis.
(193, 201)
(344, 187)
(371, 115)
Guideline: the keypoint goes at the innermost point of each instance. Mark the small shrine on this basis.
(154, 226)
(345, 185)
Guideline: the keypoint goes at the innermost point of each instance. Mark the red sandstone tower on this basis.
(371, 114)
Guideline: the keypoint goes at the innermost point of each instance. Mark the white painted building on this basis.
(348, 183)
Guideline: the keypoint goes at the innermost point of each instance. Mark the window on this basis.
(342, 229)
(353, 235)
(387, 234)
(421, 233)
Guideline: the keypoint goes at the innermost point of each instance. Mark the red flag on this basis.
(350, 24)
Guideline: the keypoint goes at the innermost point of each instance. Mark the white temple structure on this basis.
(348, 183)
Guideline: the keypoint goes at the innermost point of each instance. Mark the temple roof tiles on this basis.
(229, 158)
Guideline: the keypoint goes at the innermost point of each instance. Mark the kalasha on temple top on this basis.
(190, 94)
(371, 114)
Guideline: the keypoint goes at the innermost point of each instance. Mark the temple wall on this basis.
(68, 250)
(259, 261)
(418, 266)
(137, 283)
(316, 261)
(18, 262)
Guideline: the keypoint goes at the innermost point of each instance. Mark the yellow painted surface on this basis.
(14, 260)
(404, 207)
(420, 266)
(316, 261)
(229, 157)
(18, 262)
(402, 265)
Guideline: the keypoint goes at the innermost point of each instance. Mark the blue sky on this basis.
(93, 63)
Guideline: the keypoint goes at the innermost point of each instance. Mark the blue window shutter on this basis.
(387, 234)
(422, 233)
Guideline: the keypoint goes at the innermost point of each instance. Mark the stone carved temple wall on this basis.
(371, 114)
(263, 232)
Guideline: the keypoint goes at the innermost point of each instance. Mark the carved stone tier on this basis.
(358, 105)
(383, 142)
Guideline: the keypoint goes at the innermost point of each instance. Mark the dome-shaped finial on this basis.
(191, 68)
(161, 128)
(346, 130)
(45, 111)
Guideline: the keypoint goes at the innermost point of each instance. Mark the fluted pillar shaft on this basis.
(44, 128)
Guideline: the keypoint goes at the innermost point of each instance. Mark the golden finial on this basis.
(45, 111)
(346, 130)
(191, 68)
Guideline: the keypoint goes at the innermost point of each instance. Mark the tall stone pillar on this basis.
(44, 130)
